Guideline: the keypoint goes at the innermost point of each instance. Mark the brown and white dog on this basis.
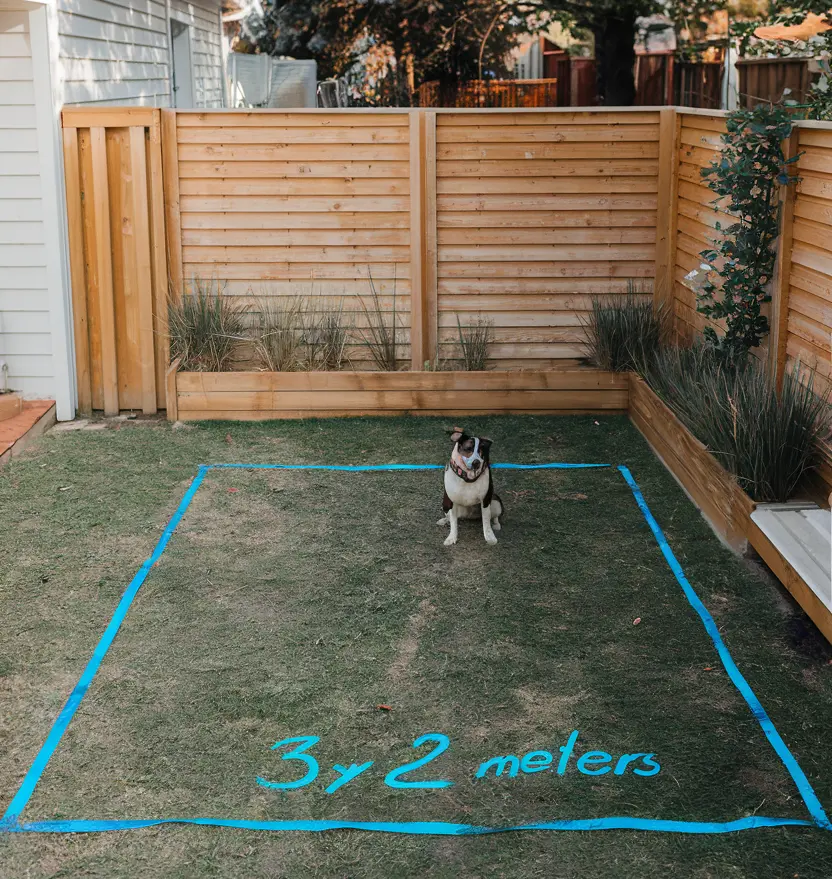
(469, 487)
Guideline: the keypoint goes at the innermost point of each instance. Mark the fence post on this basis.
(77, 269)
(142, 267)
(104, 267)
(669, 124)
(158, 244)
(418, 311)
(431, 270)
(779, 333)
(170, 166)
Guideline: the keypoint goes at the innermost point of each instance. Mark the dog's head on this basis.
(472, 451)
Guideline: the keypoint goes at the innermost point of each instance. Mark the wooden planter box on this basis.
(711, 487)
(251, 396)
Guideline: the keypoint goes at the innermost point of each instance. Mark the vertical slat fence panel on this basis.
(114, 225)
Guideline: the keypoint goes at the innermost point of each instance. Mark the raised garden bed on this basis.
(711, 487)
(716, 493)
(254, 396)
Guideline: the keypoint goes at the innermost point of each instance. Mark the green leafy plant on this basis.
(768, 439)
(381, 333)
(623, 331)
(205, 327)
(748, 175)
(475, 343)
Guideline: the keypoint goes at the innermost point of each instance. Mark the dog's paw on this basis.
(496, 526)
(443, 521)
(490, 539)
(450, 540)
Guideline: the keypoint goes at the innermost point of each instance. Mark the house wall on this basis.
(116, 51)
(25, 337)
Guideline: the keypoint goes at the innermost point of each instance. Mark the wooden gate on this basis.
(116, 220)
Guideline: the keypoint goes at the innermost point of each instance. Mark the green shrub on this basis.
(768, 439)
(205, 328)
(624, 331)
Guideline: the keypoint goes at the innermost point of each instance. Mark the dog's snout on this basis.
(475, 465)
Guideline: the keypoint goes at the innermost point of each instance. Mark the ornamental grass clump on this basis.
(381, 333)
(279, 342)
(768, 439)
(205, 328)
(624, 331)
(475, 343)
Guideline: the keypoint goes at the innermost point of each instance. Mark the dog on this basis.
(469, 487)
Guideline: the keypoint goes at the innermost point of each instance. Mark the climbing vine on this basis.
(747, 178)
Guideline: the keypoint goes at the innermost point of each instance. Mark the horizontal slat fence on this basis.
(535, 214)
(276, 204)
(113, 168)
(695, 212)
(517, 216)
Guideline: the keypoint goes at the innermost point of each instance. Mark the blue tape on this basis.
(32, 777)
(792, 766)
(367, 468)
(423, 828)
(10, 821)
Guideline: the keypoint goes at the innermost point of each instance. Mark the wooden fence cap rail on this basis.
(108, 117)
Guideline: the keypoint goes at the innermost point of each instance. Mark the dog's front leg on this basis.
(487, 530)
(453, 518)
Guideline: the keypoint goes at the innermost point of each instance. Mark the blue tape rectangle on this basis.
(11, 819)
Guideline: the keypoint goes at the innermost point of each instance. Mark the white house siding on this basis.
(25, 336)
(116, 51)
(206, 49)
(113, 52)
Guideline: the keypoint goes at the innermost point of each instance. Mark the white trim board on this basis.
(43, 31)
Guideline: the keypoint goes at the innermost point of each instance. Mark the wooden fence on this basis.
(518, 216)
(485, 94)
(764, 79)
(113, 166)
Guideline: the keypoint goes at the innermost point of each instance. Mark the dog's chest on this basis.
(466, 494)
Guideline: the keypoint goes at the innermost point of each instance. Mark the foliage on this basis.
(819, 99)
(380, 44)
(624, 331)
(785, 12)
(381, 334)
(205, 328)
(296, 333)
(279, 342)
(474, 343)
(768, 439)
(747, 175)
(325, 336)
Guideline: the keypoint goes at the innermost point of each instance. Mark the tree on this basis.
(446, 40)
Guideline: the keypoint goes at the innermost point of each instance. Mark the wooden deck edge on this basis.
(38, 428)
(815, 609)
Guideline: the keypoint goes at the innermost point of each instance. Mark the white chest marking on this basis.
(466, 494)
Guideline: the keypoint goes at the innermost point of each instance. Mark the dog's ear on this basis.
(485, 443)
(456, 434)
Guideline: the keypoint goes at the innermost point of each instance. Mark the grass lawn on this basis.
(294, 603)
